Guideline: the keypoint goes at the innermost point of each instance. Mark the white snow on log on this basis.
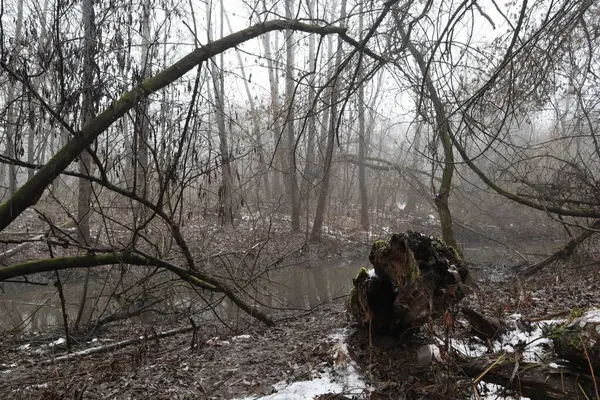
(531, 342)
(589, 317)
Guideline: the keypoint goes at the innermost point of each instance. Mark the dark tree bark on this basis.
(417, 277)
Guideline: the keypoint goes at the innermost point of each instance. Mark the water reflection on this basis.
(35, 308)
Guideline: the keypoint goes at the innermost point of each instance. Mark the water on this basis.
(37, 308)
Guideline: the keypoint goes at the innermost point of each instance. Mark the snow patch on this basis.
(343, 378)
(57, 342)
(241, 337)
(590, 317)
(490, 391)
(350, 383)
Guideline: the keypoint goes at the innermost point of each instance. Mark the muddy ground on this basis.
(217, 361)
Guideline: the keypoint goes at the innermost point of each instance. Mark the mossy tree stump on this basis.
(414, 278)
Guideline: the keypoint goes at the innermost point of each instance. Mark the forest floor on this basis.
(320, 345)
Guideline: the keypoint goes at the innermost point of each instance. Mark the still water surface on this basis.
(36, 308)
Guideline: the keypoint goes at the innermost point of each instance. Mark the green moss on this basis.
(574, 341)
(378, 245)
(440, 244)
(576, 313)
(413, 273)
(557, 331)
(362, 275)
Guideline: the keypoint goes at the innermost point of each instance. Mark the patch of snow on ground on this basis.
(241, 337)
(490, 391)
(344, 378)
(338, 336)
(57, 342)
(531, 342)
(467, 348)
(590, 317)
(350, 384)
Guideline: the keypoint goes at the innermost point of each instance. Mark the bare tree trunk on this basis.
(12, 114)
(225, 191)
(277, 133)
(324, 124)
(362, 145)
(411, 199)
(85, 161)
(443, 128)
(87, 113)
(566, 250)
(39, 155)
(323, 193)
(309, 166)
(255, 128)
(142, 123)
(292, 184)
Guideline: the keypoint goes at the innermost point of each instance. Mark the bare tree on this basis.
(290, 142)
(362, 142)
(12, 119)
(333, 119)
(142, 122)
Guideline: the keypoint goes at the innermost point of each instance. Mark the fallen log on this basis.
(415, 277)
(578, 341)
(532, 380)
(564, 252)
(482, 326)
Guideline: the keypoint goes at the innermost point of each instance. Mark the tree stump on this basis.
(414, 278)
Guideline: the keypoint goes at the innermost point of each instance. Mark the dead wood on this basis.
(565, 251)
(532, 380)
(578, 342)
(416, 278)
(483, 326)
(21, 247)
(114, 346)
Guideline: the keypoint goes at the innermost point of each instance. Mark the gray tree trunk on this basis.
(290, 159)
(263, 172)
(324, 191)
(87, 113)
(411, 199)
(225, 191)
(362, 144)
(309, 174)
(142, 123)
(275, 110)
(12, 113)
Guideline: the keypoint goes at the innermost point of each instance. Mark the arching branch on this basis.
(32, 190)
(582, 213)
